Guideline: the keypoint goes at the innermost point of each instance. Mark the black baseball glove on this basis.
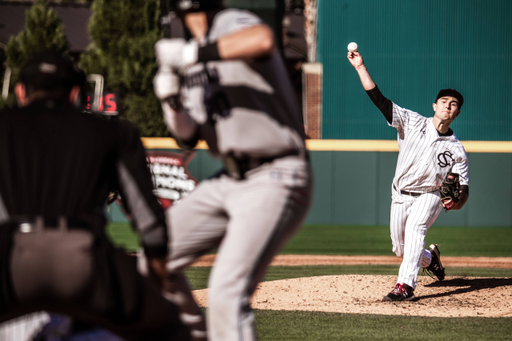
(450, 191)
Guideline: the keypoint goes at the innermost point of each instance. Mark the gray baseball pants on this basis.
(249, 221)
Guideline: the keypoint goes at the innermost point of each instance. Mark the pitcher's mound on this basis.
(362, 294)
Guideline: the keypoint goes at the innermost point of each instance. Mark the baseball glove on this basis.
(450, 191)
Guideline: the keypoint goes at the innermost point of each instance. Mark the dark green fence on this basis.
(354, 188)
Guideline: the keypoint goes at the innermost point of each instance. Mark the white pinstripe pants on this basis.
(411, 217)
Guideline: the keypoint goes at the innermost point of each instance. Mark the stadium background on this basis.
(354, 172)
(412, 51)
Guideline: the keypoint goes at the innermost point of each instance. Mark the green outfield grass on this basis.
(372, 240)
(375, 240)
(368, 240)
(123, 235)
(317, 326)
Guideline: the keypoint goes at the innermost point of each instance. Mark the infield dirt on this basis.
(362, 294)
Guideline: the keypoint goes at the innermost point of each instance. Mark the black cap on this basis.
(50, 70)
(452, 93)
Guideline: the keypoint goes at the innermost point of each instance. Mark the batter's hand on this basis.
(166, 83)
(176, 53)
(355, 59)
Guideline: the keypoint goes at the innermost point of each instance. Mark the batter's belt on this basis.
(236, 167)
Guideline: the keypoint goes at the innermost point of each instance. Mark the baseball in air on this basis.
(352, 47)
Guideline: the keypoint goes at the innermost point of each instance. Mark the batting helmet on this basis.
(188, 6)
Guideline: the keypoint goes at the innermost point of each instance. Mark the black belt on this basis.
(412, 194)
(33, 224)
(236, 167)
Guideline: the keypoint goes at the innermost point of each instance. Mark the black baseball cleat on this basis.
(435, 266)
(402, 292)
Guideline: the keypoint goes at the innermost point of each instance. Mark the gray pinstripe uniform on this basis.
(245, 110)
(424, 160)
(24, 327)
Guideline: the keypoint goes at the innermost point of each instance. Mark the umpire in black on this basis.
(57, 167)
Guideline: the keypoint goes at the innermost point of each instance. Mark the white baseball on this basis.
(352, 47)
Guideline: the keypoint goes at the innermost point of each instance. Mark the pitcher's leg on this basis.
(423, 214)
(398, 219)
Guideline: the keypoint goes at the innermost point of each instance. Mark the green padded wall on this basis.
(412, 49)
(354, 188)
(324, 198)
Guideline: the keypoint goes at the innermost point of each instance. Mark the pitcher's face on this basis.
(446, 108)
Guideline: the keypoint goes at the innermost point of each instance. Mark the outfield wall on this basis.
(353, 181)
(412, 50)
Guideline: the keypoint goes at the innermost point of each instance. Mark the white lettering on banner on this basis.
(164, 159)
(167, 193)
(159, 169)
(173, 183)
(171, 179)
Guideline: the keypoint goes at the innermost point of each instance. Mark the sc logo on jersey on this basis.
(445, 159)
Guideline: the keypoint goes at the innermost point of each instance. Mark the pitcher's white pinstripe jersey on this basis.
(424, 156)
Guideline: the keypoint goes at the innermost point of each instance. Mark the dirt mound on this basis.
(294, 260)
(362, 294)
